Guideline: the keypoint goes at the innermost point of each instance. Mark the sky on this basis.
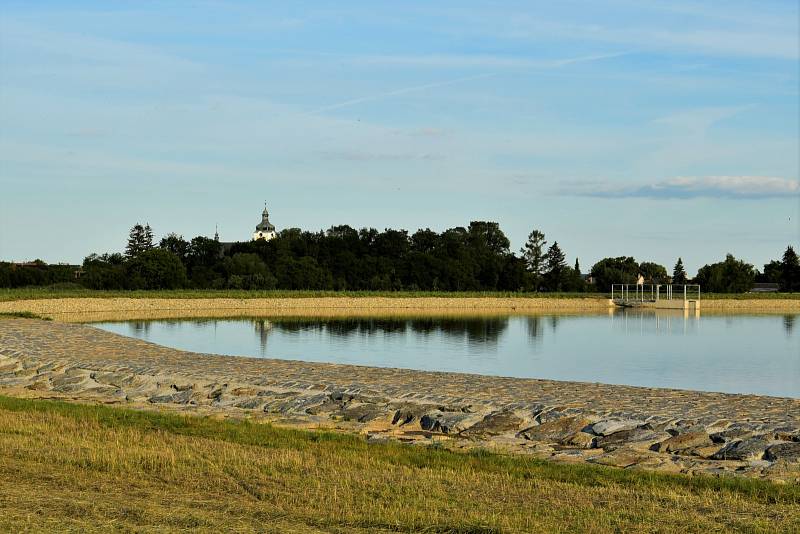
(651, 129)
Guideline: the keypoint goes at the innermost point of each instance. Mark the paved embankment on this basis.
(670, 430)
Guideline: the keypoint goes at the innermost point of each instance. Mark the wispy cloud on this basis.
(362, 155)
(700, 119)
(742, 187)
(398, 92)
(456, 61)
(488, 61)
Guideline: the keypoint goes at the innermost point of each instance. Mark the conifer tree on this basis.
(678, 273)
(790, 270)
(147, 242)
(533, 254)
(136, 239)
(577, 267)
(555, 259)
(556, 266)
(140, 239)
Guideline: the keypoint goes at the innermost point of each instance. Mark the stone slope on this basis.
(625, 426)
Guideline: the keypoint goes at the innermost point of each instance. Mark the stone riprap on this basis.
(623, 426)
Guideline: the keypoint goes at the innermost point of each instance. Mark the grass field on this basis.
(27, 293)
(72, 467)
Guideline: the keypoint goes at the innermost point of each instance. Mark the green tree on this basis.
(729, 276)
(533, 254)
(155, 269)
(147, 243)
(790, 271)
(555, 265)
(620, 270)
(247, 271)
(136, 241)
(653, 273)
(489, 234)
(773, 272)
(106, 271)
(679, 273)
(577, 267)
(176, 244)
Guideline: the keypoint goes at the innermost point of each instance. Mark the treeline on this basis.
(35, 273)
(475, 258)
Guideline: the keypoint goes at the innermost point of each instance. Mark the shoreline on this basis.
(115, 308)
(624, 426)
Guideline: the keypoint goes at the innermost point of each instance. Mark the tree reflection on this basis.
(480, 330)
(535, 329)
(788, 323)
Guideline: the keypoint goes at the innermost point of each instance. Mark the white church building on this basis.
(264, 230)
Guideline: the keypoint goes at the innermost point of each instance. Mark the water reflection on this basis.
(481, 330)
(535, 329)
(475, 331)
(263, 328)
(138, 328)
(661, 322)
(733, 353)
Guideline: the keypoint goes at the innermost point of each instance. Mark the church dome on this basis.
(264, 230)
(265, 225)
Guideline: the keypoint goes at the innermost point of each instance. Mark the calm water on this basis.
(736, 354)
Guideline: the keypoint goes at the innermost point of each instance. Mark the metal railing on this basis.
(654, 292)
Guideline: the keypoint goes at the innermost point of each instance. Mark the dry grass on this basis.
(92, 468)
(45, 292)
(140, 308)
(57, 292)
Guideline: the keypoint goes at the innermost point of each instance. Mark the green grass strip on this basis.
(245, 432)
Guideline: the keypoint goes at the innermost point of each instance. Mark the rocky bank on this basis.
(623, 426)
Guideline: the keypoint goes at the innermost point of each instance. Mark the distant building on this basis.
(764, 287)
(264, 230)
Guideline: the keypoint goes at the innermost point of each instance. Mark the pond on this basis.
(757, 354)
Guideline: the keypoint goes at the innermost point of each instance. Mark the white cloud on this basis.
(742, 187)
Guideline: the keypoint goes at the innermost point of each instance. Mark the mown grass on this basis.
(95, 468)
(58, 292)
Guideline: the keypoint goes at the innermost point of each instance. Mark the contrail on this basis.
(405, 90)
(402, 91)
(585, 59)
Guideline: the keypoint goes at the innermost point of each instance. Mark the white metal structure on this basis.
(656, 295)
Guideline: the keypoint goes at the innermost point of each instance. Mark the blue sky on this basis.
(652, 129)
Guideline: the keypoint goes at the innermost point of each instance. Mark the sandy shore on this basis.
(105, 309)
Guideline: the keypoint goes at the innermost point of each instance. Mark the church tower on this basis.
(264, 230)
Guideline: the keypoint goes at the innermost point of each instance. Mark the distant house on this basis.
(588, 278)
(765, 287)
